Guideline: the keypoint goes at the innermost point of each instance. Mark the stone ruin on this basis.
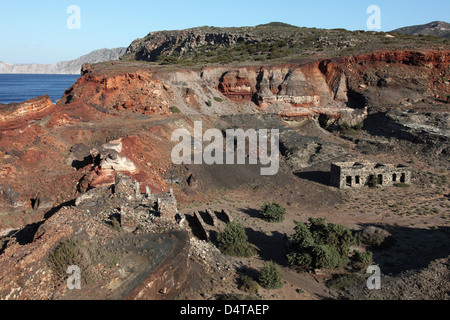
(360, 174)
(124, 202)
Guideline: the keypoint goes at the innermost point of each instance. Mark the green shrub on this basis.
(270, 276)
(361, 260)
(358, 126)
(218, 99)
(167, 60)
(341, 282)
(234, 242)
(345, 126)
(325, 256)
(209, 103)
(320, 245)
(273, 212)
(248, 284)
(351, 130)
(175, 110)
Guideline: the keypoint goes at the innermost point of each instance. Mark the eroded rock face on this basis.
(107, 162)
(25, 111)
(328, 86)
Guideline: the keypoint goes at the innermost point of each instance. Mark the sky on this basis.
(38, 32)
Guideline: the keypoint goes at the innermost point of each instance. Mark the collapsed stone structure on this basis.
(123, 202)
(359, 174)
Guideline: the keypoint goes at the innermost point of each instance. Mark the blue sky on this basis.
(36, 31)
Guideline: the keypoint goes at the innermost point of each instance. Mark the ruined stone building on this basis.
(360, 174)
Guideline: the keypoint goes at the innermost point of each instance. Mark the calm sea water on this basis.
(21, 87)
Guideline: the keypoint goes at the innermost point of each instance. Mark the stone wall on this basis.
(361, 174)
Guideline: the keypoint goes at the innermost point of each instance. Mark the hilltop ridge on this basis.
(275, 41)
(435, 28)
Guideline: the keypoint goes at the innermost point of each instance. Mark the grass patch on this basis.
(402, 185)
(87, 256)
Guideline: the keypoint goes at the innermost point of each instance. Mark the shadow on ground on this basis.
(321, 177)
(412, 248)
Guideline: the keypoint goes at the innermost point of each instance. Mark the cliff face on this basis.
(327, 86)
(214, 90)
(27, 110)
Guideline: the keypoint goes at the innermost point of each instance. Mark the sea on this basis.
(21, 87)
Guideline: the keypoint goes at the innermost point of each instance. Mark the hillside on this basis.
(269, 42)
(63, 67)
(435, 28)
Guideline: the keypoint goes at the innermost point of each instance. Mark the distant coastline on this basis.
(72, 67)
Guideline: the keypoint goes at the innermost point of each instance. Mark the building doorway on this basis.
(348, 181)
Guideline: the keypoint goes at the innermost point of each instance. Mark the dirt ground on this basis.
(417, 218)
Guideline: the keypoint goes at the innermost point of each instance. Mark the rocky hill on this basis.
(269, 42)
(64, 67)
(435, 28)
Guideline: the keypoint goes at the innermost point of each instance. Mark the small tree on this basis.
(273, 212)
(270, 276)
(234, 242)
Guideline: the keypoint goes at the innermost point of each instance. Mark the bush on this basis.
(345, 126)
(320, 245)
(341, 282)
(167, 60)
(273, 212)
(218, 99)
(74, 252)
(374, 237)
(175, 110)
(361, 260)
(209, 103)
(326, 256)
(359, 126)
(234, 242)
(248, 285)
(270, 276)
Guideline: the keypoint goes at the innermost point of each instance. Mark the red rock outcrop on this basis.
(136, 91)
(15, 114)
